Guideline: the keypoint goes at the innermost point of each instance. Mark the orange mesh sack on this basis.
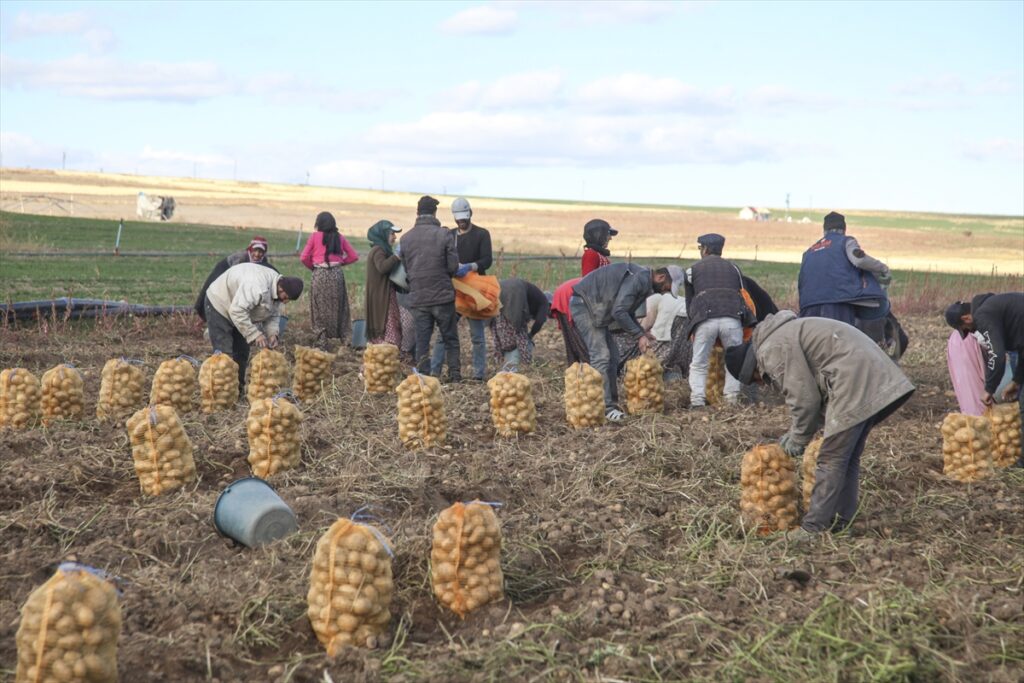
(768, 500)
(174, 384)
(1004, 421)
(19, 398)
(809, 467)
(274, 436)
(350, 586)
(512, 407)
(312, 369)
(465, 561)
(121, 390)
(69, 629)
(966, 447)
(63, 396)
(421, 419)
(584, 396)
(268, 375)
(381, 368)
(645, 385)
(161, 450)
(218, 383)
(477, 297)
(714, 385)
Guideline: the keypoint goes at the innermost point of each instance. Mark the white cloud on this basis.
(784, 97)
(527, 89)
(630, 92)
(28, 25)
(995, 149)
(483, 20)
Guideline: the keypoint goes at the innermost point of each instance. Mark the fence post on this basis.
(117, 243)
(298, 239)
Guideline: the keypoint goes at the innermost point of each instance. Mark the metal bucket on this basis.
(250, 512)
(359, 334)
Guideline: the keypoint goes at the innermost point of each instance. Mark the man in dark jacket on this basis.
(521, 303)
(999, 319)
(428, 252)
(717, 312)
(608, 295)
(838, 280)
(473, 245)
(256, 252)
(833, 376)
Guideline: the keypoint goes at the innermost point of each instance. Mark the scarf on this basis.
(378, 235)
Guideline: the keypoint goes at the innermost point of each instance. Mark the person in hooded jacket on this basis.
(834, 376)
(383, 321)
(596, 235)
(325, 253)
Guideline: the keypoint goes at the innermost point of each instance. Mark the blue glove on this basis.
(790, 447)
(463, 269)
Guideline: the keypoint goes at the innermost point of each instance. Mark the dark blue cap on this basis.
(712, 240)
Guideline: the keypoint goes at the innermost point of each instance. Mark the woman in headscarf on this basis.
(325, 253)
(383, 325)
(596, 235)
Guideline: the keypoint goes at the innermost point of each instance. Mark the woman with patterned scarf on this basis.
(383, 324)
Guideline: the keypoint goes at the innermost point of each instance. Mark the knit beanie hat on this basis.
(835, 222)
(741, 362)
(427, 206)
(292, 286)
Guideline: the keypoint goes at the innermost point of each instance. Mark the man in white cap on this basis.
(473, 244)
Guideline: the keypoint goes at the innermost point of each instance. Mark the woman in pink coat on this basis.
(326, 252)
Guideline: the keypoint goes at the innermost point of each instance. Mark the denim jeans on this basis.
(476, 334)
(604, 353)
(837, 480)
(226, 338)
(730, 331)
(442, 315)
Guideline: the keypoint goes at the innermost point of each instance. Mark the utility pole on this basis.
(307, 178)
(195, 166)
(787, 206)
(63, 160)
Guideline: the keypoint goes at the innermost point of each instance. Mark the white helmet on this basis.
(461, 209)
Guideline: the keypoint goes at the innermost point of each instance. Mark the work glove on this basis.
(463, 269)
(791, 447)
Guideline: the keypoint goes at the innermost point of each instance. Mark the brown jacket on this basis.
(378, 291)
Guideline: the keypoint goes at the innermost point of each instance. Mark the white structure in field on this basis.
(752, 213)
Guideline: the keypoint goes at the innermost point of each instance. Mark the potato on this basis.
(645, 386)
(584, 396)
(161, 450)
(312, 369)
(967, 451)
(808, 468)
(20, 394)
(174, 384)
(274, 436)
(512, 407)
(1004, 421)
(381, 368)
(120, 390)
(465, 559)
(350, 586)
(218, 383)
(69, 629)
(714, 385)
(268, 375)
(421, 418)
(768, 499)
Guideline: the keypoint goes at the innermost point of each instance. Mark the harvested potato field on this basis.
(623, 550)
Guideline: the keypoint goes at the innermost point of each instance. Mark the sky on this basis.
(873, 105)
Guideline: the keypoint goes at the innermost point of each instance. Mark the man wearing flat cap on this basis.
(834, 376)
(838, 280)
(717, 312)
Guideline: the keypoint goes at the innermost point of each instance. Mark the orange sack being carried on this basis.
(477, 297)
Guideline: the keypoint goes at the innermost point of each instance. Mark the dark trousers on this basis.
(844, 313)
(443, 316)
(224, 337)
(837, 479)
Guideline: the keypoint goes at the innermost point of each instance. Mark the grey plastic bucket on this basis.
(359, 334)
(250, 512)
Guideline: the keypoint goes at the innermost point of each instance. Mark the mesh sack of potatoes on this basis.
(512, 407)
(768, 500)
(218, 383)
(584, 396)
(808, 467)
(421, 419)
(174, 384)
(381, 368)
(1004, 421)
(161, 450)
(714, 385)
(19, 398)
(63, 397)
(69, 629)
(465, 560)
(966, 447)
(350, 586)
(121, 389)
(645, 385)
(312, 369)
(274, 437)
(268, 375)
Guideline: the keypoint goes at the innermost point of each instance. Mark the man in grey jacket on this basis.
(430, 258)
(611, 295)
(831, 375)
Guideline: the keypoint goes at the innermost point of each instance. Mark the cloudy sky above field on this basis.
(876, 105)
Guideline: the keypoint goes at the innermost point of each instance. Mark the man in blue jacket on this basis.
(838, 280)
(608, 295)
